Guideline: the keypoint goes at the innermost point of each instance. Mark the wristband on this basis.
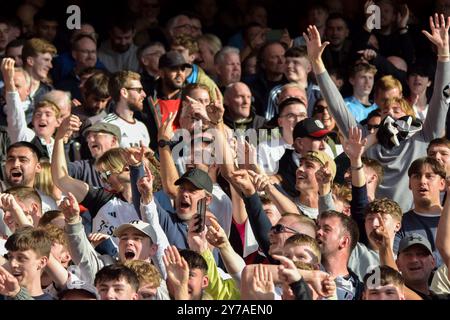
(357, 168)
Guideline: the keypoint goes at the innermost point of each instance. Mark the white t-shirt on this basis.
(221, 207)
(132, 133)
(270, 153)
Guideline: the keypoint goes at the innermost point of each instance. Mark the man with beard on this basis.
(128, 94)
(22, 166)
(166, 97)
(119, 53)
(426, 181)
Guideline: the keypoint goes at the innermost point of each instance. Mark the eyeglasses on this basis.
(293, 116)
(138, 89)
(279, 228)
(320, 109)
(372, 126)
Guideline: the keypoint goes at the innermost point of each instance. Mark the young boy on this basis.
(28, 255)
(117, 282)
(362, 79)
(149, 279)
(384, 283)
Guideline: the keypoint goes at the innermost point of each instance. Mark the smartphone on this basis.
(274, 35)
(201, 212)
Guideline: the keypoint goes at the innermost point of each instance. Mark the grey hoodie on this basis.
(397, 160)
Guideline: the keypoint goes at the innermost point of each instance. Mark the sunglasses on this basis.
(320, 109)
(279, 228)
(372, 126)
(138, 90)
(104, 175)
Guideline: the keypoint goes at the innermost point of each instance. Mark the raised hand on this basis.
(354, 146)
(9, 285)
(216, 236)
(68, 126)
(70, 208)
(439, 34)
(403, 16)
(97, 238)
(197, 109)
(215, 109)
(324, 179)
(196, 240)
(262, 283)
(380, 235)
(287, 271)
(177, 272)
(314, 44)
(8, 74)
(145, 186)
(241, 179)
(165, 131)
(368, 54)
(260, 181)
(135, 155)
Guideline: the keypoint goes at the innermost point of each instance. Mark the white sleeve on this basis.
(17, 124)
(150, 215)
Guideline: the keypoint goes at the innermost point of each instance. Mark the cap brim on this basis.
(181, 180)
(320, 133)
(415, 243)
(125, 226)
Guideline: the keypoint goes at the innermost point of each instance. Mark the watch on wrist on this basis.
(163, 143)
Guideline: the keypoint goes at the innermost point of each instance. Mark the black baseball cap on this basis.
(311, 128)
(172, 59)
(198, 178)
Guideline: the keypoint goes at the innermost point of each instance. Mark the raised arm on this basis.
(434, 124)
(262, 183)
(82, 252)
(9, 203)
(17, 124)
(60, 174)
(233, 262)
(169, 173)
(149, 213)
(354, 148)
(338, 108)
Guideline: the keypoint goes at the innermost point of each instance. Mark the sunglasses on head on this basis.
(279, 228)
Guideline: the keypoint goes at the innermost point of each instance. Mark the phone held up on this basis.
(201, 212)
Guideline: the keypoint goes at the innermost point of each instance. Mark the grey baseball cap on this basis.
(104, 127)
(412, 239)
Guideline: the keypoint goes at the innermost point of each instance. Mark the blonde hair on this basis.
(36, 46)
(146, 273)
(114, 160)
(48, 103)
(44, 180)
(406, 107)
(387, 83)
(303, 239)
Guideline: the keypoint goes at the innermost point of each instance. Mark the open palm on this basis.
(354, 146)
(439, 32)
(314, 43)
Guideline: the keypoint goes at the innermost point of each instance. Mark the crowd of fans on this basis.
(199, 153)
